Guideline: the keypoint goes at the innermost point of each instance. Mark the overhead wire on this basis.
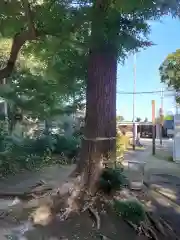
(145, 92)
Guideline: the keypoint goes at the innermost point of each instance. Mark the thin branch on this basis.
(28, 14)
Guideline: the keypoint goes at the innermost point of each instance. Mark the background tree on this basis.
(146, 119)
(138, 119)
(170, 71)
(119, 118)
(44, 88)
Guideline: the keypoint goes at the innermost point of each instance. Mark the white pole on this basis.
(161, 114)
(134, 91)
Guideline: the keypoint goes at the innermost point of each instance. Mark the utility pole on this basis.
(153, 129)
(134, 91)
(161, 115)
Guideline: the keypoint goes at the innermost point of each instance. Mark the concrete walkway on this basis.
(163, 181)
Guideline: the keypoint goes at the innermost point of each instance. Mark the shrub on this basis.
(24, 154)
(130, 210)
(68, 146)
(170, 159)
(111, 180)
(40, 145)
(17, 155)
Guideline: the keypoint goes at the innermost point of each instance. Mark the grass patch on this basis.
(164, 156)
(170, 159)
(137, 148)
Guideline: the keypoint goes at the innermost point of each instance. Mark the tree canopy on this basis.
(170, 71)
(48, 76)
(138, 119)
(47, 43)
(40, 27)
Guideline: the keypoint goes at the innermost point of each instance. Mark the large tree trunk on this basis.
(99, 142)
(100, 127)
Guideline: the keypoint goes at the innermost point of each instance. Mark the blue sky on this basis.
(166, 36)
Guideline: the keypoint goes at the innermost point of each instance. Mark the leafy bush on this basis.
(111, 180)
(11, 164)
(23, 154)
(17, 155)
(68, 146)
(3, 139)
(42, 144)
(170, 159)
(130, 210)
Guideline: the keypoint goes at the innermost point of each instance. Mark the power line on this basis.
(144, 92)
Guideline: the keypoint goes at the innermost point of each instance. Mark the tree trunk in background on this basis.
(47, 123)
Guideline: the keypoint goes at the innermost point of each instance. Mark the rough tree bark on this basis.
(99, 142)
(100, 127)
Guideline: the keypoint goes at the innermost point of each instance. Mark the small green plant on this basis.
(170, 159)
(130, 210)
(111, 180)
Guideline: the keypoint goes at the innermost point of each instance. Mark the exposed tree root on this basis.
(96, 216)
(155, 223)
(152, 234)
(103, 237)
(143, 229)
(168, 228)
(131, 225)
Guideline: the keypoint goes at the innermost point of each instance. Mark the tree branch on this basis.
(19, 40)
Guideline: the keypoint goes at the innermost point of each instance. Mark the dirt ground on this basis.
(77, 226)
(81, 227)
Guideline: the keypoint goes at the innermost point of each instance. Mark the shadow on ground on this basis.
(165, 195)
